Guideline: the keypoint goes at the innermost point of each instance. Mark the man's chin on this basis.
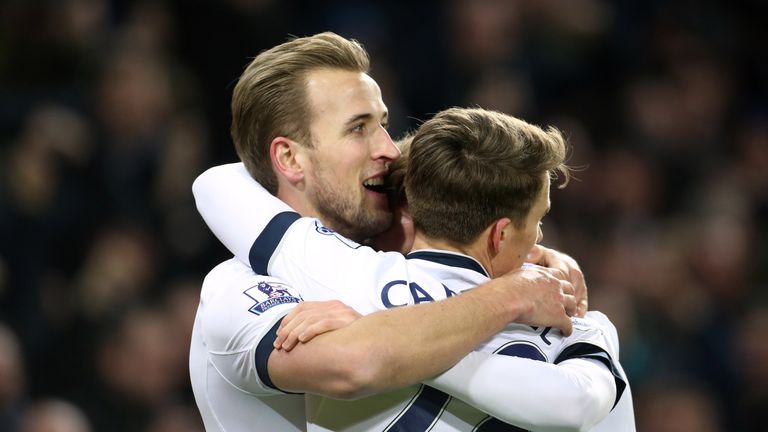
(375, 223)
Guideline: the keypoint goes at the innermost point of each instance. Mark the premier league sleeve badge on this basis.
(270, 294)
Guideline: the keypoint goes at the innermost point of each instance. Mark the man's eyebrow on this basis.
(365, 117)
(355, 119)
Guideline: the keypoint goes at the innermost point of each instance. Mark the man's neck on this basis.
(300, 205)
(475, 249)
(297, 203)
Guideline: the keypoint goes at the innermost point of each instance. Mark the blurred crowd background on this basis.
(109, 109)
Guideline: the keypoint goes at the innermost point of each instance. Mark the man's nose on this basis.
(386, 148)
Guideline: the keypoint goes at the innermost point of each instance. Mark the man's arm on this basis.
(583, 383)
(579, 390)
(398, 347)
(573, 395)
(234, 206)
(392, 348)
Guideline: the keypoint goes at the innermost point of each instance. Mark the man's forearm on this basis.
(537, 396)
(395, 347)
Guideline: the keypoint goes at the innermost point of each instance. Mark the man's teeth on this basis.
(375, 184)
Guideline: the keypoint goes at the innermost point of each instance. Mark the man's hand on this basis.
(551, 258)
(310, 319)
(544, 296)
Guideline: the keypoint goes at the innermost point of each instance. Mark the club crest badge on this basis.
(324, 230)
(268, 295)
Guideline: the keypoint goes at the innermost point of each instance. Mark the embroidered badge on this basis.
(268, 295)
(324, 230)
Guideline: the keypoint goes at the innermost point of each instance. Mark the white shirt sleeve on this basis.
(234, 328)
(573, 395)
(235, 207)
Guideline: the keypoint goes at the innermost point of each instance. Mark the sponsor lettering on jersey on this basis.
(400, 293)
(268, 295)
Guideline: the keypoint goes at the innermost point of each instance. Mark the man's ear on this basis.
(499, 230)
(287, 159)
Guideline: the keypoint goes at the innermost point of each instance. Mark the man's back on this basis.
(232, 316)
(421, 407)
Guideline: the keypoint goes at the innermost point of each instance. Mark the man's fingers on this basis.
(292, 335)
(563, 266)
(566, 328)
(558, 273)
(567, 287)
(316, 329)
(309, 319)
(582, 297)
(281, 333)
(570, 304)
(535, 254)
(287, 326)
(581, 308)
(287, 337)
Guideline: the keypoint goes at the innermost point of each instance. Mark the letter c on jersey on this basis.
(418, 294)
(385, 293)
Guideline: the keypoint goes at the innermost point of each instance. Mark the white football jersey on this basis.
(231, 341)
(329, 266)
(424, 408)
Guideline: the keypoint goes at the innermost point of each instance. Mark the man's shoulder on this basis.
(233, 273)
(235, 302)
(233, 285)
(601, 321)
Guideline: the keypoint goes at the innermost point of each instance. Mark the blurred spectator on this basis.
(177, 418)
(12, 383)
(673, 407)
(119, 268)
(54, 416)
(139, 370)
(752, 356)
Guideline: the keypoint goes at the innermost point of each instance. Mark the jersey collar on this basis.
(450, 259)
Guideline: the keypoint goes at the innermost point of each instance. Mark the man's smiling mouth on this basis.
(375, 184)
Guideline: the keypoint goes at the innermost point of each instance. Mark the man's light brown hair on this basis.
(396, 174)
(270, 98)
(468, 167)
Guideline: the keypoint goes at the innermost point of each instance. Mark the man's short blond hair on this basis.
(270, 98)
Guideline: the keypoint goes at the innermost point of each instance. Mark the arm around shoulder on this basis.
(398, 347)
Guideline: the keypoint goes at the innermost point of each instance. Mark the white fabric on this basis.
(227, 389)
(233, 206)
(378, 280)
(328, 266)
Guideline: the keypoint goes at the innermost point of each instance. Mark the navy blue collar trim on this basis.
(449, 259)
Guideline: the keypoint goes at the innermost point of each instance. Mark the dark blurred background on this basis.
(109, 109)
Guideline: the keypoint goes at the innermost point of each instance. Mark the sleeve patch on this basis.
(268, 295)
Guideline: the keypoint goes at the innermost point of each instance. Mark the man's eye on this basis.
(360, 128)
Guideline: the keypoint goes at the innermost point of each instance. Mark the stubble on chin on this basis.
(350, 217)
(357, 223)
